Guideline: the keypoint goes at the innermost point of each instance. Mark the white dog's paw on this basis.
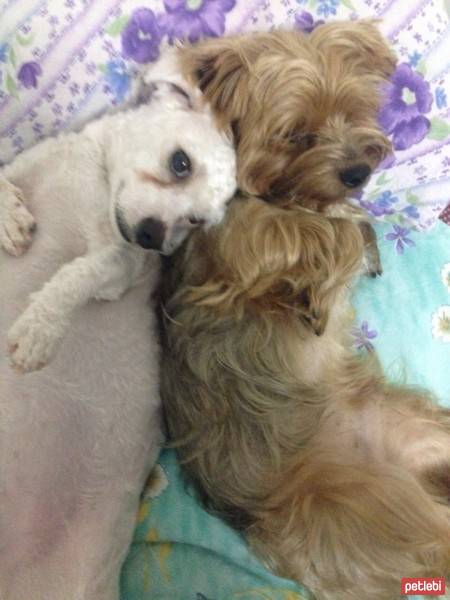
(31, 342)
(17, 224)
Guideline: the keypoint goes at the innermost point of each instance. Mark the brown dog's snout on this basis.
(150, 234)
(355, 176)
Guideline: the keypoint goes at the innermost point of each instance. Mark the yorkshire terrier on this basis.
(303, 109)
(338, 478)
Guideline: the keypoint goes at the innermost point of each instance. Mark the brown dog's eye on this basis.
(302, 141)
(377, 152)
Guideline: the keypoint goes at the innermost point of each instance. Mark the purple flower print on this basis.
(327, 7)
(29, 73)
(382, 205)
(401, 116)
(362, 336)
(305, 22)
(193, 19)
(414, 58)
(399, 236)
(411, 211)
(74, 88)
(141, 37)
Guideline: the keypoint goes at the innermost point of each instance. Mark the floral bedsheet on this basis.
(63, 61)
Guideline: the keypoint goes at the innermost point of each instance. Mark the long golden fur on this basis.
(338, 479)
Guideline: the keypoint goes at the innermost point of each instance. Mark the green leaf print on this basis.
(421, 67)
(115, 28)
(12, 57)
(439, 129)
(348, 4)
(412, 198)
(23, 41)
(382, 179)
(11, 86)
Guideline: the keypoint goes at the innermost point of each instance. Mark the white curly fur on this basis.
(102, 171)
(78, 438)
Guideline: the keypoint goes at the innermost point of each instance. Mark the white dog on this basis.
(133, 181)
(78, 438)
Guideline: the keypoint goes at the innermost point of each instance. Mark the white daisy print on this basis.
(440, 323)
(445, 273)
(156, 483)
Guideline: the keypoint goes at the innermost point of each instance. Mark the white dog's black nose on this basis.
(150, 234)
(355, 176)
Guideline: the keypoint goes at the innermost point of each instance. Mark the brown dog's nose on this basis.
(150, 234)
(355, 176)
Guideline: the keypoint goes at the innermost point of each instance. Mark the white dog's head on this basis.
(169, 168)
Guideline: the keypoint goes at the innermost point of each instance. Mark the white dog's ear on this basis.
(168, 68)
(143, 92)
(147, 92)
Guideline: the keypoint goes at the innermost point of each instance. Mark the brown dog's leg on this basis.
(372, 257)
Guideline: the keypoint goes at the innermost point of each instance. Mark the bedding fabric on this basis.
(64, 61)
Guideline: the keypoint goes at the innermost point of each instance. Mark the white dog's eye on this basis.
(180, 164)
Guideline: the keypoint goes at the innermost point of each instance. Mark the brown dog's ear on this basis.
(220, 68)
(360, 43)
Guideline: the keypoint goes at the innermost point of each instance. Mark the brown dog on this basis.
(303, 109)
(338, 479)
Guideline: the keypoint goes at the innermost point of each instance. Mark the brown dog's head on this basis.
(303, 108)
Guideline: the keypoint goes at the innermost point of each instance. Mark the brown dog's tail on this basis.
(354, 531)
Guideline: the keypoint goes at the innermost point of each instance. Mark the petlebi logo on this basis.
(424, 586)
